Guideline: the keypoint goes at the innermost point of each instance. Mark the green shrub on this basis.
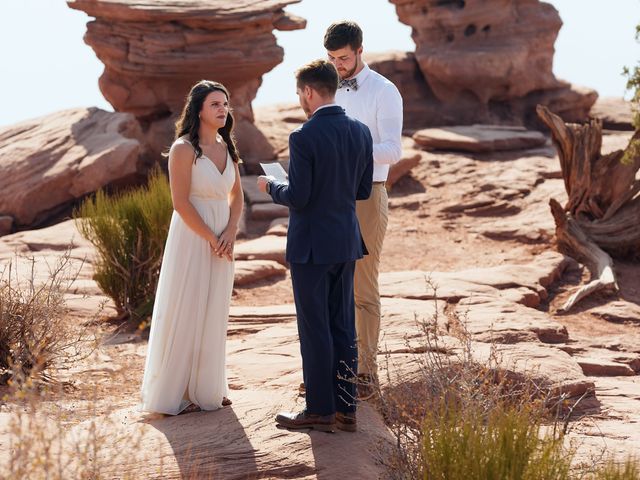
(633, 84)
(129, 232)
(505, 443)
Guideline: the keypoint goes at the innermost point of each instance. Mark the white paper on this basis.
(275, 170)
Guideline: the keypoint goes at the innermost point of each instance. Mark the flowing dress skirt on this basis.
(186, 354)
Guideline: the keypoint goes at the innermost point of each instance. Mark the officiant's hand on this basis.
(262, 182)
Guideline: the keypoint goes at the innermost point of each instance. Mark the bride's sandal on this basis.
(193, 408)
(226, 402)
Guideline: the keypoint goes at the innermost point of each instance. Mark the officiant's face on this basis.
(346, 60)
(215, 109)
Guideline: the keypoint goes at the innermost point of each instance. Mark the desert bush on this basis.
(633, 84)
(129, 232)
(462, 441)
(455, 416)
(34, 336)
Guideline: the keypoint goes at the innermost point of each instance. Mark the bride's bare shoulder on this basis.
(181, 149)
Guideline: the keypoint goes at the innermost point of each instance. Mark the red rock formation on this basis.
(492, 50)
(479, 61)
(49, 162)
(155, 50)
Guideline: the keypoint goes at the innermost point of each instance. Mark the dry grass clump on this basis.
(35, 338)
(46, 442)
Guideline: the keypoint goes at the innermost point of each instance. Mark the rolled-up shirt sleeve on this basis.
(389, 124)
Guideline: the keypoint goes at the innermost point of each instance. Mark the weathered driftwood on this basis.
(602, 216)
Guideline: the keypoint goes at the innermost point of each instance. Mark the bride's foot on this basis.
(226, 402)
(193, 408)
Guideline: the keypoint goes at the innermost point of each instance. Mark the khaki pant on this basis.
(372, 215)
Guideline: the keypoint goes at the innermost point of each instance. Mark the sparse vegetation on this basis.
(129, 232)
(455, 416)
(34, 336)
(633, 84)
(43, 443)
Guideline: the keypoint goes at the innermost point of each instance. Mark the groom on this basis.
(330, 167)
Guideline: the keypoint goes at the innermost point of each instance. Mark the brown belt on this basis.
(379, 183)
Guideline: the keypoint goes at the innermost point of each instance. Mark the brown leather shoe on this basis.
(294, 421)
(302, 390)
(346, 421)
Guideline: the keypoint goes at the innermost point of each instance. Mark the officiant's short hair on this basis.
(343, 33)
(320, 75)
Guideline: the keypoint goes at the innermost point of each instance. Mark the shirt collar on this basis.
(363, 74)
(324, 106)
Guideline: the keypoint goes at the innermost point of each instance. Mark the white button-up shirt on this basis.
(376, 103)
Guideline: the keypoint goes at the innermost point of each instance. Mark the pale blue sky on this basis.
(45, 65)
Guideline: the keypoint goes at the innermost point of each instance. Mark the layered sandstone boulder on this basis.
(155, 50)
(49, 162)
(480, 62)
(615, 113)
(490, 50)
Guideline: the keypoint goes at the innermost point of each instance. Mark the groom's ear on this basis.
(308, 91)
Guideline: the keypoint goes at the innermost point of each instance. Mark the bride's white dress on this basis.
(186, 354)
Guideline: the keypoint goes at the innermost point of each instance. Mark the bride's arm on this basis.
(236, 203)
(180, 164)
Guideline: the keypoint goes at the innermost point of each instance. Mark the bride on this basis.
(185, 365)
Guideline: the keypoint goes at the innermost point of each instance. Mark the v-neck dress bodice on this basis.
(208, 182)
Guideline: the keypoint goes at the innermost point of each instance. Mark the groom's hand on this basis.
(262, 182)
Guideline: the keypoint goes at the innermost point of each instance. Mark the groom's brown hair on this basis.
(320, 75)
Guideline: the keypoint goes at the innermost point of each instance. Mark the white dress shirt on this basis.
(376, 103)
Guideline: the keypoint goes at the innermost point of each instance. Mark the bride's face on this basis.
(215, 109)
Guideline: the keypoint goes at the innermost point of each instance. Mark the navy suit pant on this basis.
(326, 325)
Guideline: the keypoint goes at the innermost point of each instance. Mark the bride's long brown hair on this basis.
(189, 122)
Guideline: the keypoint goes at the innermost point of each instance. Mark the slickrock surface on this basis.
(46, 250)
(469, 251)
(248, 272)
(270, 247)
(48, 162)
(478, 138)
(155, 50)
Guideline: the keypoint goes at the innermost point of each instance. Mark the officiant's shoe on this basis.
(293, 421)
(346, 421)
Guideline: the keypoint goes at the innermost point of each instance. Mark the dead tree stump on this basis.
(601, 219)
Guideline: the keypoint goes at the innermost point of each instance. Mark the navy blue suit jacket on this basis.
(330, 167)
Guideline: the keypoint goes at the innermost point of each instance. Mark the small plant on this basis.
(462, 441)
(633, 84)
(34, 336)
(129, 232)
